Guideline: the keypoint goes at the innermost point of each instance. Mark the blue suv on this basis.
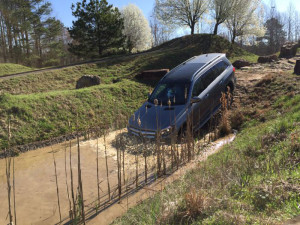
(191, 90)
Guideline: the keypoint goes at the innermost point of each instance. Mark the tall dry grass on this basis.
(224, 126)
(56, 182)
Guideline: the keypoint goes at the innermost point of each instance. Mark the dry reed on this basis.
(57, 189)
(79, 175)
(66, 176)
(97, 162)
(8, 171)
(73, 212)
(106, 164)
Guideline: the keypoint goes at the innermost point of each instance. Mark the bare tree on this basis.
(290, 21)
(181, 12)
(160, 32)
(297, 26)
(221, 10)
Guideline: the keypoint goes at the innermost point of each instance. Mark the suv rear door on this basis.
(219, 68)
(210, 94)
(200, 109)
(216, 88)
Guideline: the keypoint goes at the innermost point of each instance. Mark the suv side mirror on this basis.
(195, 100)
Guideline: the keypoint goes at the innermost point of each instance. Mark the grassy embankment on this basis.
(254, 180)
(42, 104)
(10, 68)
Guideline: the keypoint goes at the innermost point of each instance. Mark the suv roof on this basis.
(186, 70)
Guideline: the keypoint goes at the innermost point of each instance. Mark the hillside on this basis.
(10, 68)
(41, 104)
(253, 180)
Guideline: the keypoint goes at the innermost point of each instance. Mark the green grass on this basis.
(42, 103)
(10, 68)
(254, 180)
(248, 57)
(169, 55)
(42, 116)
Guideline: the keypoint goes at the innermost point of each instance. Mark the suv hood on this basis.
(153, 117)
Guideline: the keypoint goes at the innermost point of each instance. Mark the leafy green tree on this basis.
(29, 35)
(98, 27)
(275, 34)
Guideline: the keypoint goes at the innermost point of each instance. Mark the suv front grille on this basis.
(141, 132)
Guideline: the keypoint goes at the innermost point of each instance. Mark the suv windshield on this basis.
(177, 93)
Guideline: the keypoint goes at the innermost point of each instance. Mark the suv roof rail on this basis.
(207, 64)
(200, 69)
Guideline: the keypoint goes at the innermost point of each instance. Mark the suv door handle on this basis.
(221, 82)
(206, 95)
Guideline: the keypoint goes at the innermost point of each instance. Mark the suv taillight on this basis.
(233, 69)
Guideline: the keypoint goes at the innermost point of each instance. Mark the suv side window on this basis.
(206, 79)
(203, 82)
(209, 77)
(198, 87)
(219, 68)
(214, 72)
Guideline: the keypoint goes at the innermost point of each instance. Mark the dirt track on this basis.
(9, 76)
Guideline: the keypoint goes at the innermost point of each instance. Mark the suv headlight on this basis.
(167, 131)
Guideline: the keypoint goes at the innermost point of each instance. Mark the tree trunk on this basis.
(233, 37)
(216, 28)
(192, 28)
(99, 41)
(27, 43)
(23, 41)
(99, 48)
(40, 48)
(17, 45)
(3, 41)
(9, 37)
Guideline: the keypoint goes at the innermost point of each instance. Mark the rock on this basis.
(240, 63)
(297, 67)
(116, 80)
(246, 68)
(288, 50)
(152, 74)
(87, 81)
(267, 59)
(291, 61)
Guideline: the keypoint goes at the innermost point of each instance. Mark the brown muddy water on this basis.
(36, 199)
